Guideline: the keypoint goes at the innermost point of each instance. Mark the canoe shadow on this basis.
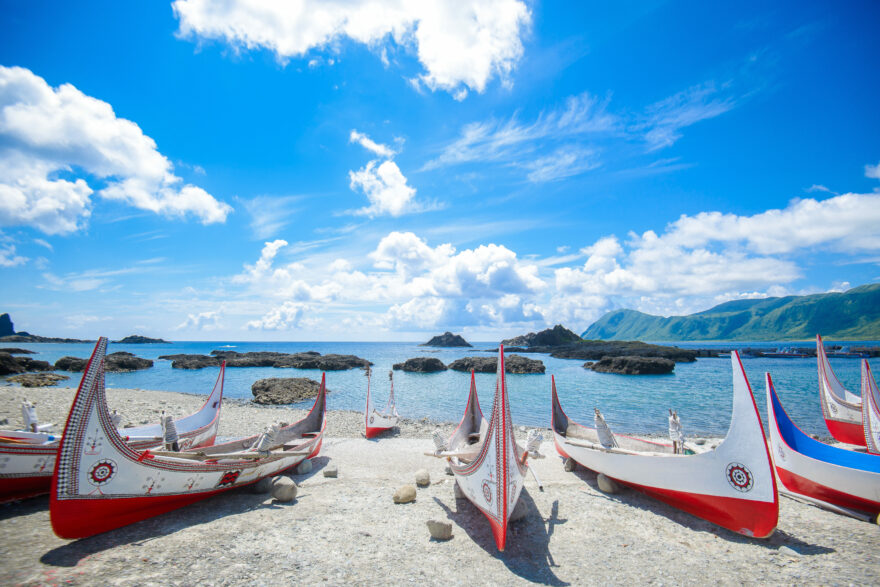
(636, 499)
(24, 507)
(528, 539)
(231, 503)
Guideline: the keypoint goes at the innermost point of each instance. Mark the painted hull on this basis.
(376, 422)
(732, 486)
(30, 466)
(101, 483)
(870, 409)
(841, 409)
(819, 471)
(493, 479)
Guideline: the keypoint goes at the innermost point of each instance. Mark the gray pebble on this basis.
(304, 467)
(570, 465)
(264, 485)
(331, 471)
(423, 478)
(456, 490)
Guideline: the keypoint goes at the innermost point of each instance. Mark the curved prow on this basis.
(829, 379)
(471, 421)
(870, 409)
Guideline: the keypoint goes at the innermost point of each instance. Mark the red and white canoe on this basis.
(841, 409)
(870, 409)
(376, 422)
(101, 483)
(732, 486)
(820, 472)
(27, 459)
(488, 465)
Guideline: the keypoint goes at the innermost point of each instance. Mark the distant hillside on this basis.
(851, 315)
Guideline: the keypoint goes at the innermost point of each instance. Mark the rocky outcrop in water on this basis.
(284, 390)
(512, 364)
(138, 339)
(10, 365)
(556, 336)
(594, 350)
(447, 339)
(123, 362)
(633, 365)
(16, 351)
(421, 365)
(304, 360)
(72, 364)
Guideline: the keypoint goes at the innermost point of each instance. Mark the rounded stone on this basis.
(570, 465)
(405, 494)
(456, 490)
(423, 478)
(331, 471)
(304, 467)
(448, 470)
(439, 530)
(607, 484)
(284, 489)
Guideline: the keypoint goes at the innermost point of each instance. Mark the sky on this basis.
(388, 170)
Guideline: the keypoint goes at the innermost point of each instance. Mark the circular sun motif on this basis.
(487, 492)
(102, 472)
(739, 477)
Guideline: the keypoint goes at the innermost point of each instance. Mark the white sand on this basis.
(347, 530)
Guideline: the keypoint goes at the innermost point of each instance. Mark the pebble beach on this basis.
(347, 530)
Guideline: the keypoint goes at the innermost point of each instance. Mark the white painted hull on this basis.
(26, 469)
(732, 486)
(101, 483)
(841, 409)
(870, 409)
(376, 422)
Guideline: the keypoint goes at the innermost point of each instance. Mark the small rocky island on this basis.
(284, 390)
(421, 365)
(8, 334)
(514, 364)
(304, 360)
(447, 339)
(138, 339)
(632, 365)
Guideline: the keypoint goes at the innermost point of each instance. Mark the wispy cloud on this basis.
(665, 119)
(565, 162)
(271, 214)
(371, 145)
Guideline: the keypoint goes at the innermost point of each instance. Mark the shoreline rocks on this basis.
(284, 390)
(513, 364)
(447, 339)
(304, 360)
(632, 365)
(37, 379)
(421, 365)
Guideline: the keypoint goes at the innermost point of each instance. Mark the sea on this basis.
(701, 392)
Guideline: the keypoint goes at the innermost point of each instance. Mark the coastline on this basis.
(347, 530)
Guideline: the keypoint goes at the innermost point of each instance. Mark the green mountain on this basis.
(851, 315)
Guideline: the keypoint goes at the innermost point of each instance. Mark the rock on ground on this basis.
(331, 470)
(607, 484)
(284, 489)
(405, 494)
(439, 530)
(284, 390)
(423, 478)
(37, 379)
(304, 468)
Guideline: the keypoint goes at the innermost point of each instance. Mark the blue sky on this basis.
(390, 170)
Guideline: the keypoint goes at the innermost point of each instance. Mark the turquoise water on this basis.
(700, 391)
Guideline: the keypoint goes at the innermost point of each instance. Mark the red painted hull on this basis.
(804, 486)
(756, 519)
(373, 432)
(24, 487)
(847, 432)
(79, 518)
(499, 532)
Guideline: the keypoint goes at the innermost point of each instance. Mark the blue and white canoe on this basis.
(819, 472)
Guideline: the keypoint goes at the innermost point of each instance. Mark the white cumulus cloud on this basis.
(55, 140)
(284, 317)
(461, 45)
(201, 321)
(385, 187)
(872, 171)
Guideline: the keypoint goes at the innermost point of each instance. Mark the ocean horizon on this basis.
(701, 392)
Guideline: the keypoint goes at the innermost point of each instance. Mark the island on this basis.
(447, 339)
(138, 339)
